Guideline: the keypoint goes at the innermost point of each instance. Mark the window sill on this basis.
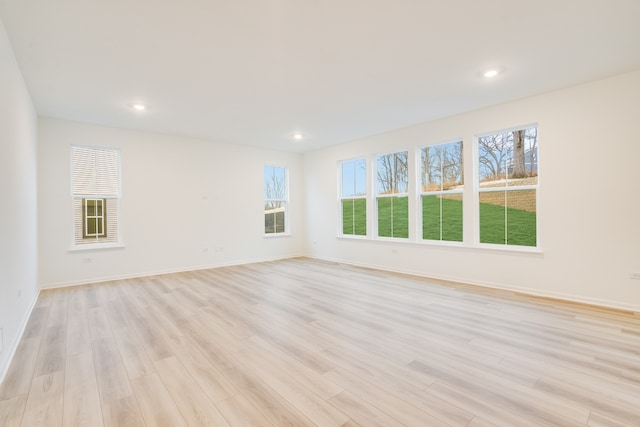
(509, 248)
(352, 237)
(273, 235)
(96, 247)
(480, 247)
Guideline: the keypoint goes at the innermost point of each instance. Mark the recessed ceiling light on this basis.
(297, 136)
(139, 107)
(491, 73)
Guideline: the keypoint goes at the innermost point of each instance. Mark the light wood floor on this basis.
(302, 342)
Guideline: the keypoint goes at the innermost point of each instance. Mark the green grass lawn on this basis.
(521, 225)
(449, 222)
(393, 220)
(393, 217)
(354, 208)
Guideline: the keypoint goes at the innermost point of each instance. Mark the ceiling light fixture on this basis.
(297, 136)
(491, 73)
(139, 107)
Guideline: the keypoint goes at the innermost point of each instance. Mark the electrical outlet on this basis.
(219, 249)
(635, 276)
(205, 250)
(87, 260)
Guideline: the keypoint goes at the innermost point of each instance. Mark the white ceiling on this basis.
(255, 71)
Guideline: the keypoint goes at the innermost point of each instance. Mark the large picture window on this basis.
(392, 200)
(441, 193)
(95, 193)
(508, 184)
(353, 197)
(276, 195)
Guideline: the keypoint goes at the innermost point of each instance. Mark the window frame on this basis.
(421, 193)
(79, 239)
(287, 214)
(478, 190)
(86, 217)
(342, 197)
(376, 196)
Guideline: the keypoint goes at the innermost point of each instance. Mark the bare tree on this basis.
(531, 140)
(494, 151)
(519, 170)
(452, 165)
(392, 173)
(274, 191)
(442, 166)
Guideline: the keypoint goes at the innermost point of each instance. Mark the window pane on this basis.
(361, 177)
(279, 217)
(431, 168)
(347, 216)
(392, 173)
(508, 217)
(494, 151)
(521, 218)
(492, 217)
(442, 166)
(442, 217)
(354, 217)
(400, 216)
(452, 217)
(274, 216)
(509, 158)
(269, 222)
(452, 165)
(348, 179)
(91, 207)
(431, 217)
(393, 217)
(274, 183)
(384, 217)
(91, 226)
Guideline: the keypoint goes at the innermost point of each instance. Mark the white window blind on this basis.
(95, 171)
(95, 183)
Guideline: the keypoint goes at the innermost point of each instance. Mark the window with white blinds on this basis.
(95, 192)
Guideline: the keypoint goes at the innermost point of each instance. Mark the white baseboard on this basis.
(160, 272)
(13, 347)
(500, 286)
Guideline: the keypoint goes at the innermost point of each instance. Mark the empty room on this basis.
(293, 213)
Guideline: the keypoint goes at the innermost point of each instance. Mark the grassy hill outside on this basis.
(393, 217)
(393, 220)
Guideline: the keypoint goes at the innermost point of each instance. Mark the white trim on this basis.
(569, 298)
(507, 130)
(272, 235)
(160, 272)
(13, 347)
(96, 246)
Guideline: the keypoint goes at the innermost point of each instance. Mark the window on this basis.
(508, 186)
(441, 192)
(95, 193)
(392, 198)
(275, 200)
(94, 218)
(353, 198)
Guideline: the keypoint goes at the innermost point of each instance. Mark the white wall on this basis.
(589, 202)
(18, 208)
(179, 196)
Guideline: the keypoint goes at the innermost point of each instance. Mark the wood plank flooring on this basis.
(303, 342)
